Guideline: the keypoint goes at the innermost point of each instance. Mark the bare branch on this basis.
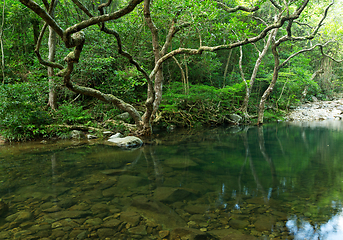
(171, 33)
(96, 20)
(43, 14)
(260, 19)
(305, 50)
(328, 56)
(82, 7)
(183, 76)
(109, 98)
(303, 24)
(39, 42)
(275, 4)
(315, 31)
(101, 6)
(310, 36)
(124, 53)
(46, 4)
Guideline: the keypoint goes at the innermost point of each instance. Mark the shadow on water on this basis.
(277, 181)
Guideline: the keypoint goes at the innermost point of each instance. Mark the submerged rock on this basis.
(264, 223)
(67, 214)
(133, 218)
(125, 142)
(189, 233)
(19, 217)
(170, 195)
(157, 212)
(238, 224)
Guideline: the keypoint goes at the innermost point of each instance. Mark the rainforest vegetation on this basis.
(79, 64)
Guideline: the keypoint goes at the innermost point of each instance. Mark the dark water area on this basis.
(273, 182)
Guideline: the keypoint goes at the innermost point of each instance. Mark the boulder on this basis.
(76, 134)
(125, 142)
(236, 119)
(124, 117)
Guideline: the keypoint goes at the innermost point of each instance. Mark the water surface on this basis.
(271, 182)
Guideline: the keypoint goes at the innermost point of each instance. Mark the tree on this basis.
(277, 65)
(74, 37)
(248, 88)
(52, 52)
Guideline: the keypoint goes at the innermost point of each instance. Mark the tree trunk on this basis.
(156, 50)
(2, 44)
(227, 67)
(35, 26)
(158, 90)
(244, 107)
(52, 51)
(270, 87)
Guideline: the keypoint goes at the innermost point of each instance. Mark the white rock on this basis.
(117, 135)
(126, 142)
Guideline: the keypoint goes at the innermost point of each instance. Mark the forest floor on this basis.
(317, 111)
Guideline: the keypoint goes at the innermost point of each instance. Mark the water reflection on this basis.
(328, 124)
(303, 229)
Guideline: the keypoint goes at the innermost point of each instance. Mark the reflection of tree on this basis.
(53, 164)
(154, 169)
(266, 156)
(252, 167)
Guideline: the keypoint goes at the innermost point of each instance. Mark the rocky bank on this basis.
(317, 111)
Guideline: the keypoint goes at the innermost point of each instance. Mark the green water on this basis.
(273, 182)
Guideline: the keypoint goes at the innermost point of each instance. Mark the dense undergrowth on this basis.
(25, 115)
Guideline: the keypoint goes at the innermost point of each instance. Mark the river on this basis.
(279, 181)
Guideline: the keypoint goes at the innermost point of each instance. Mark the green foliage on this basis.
(102, 74)
(290, 87)
(21, 114)
(273, 116)
(72, 114)
(204, 105)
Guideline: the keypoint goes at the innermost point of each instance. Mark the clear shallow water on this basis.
(276, 181)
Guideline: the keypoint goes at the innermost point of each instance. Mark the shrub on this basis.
(72, 114)
(22, 114)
